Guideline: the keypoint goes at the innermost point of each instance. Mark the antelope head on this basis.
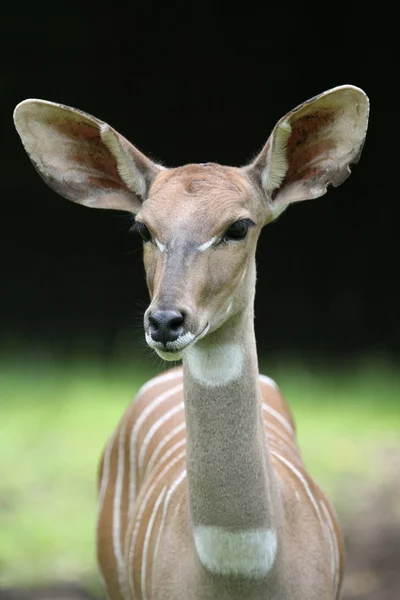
(200, 222)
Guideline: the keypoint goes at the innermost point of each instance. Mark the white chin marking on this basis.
(169, 356)
(242, 553)
(174, 350)
(217, 366)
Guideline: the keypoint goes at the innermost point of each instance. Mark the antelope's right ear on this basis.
(82, 158)
(312, 147)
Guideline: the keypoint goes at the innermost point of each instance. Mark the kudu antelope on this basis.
(203, 493)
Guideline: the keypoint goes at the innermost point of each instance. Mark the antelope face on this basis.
(199, 227)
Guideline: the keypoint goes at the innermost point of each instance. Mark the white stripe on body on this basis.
(268, 381)
(168, 497)
(171, 451)
(103, 487)
(335, 549)
(149, 435)
(139, 516)
(305, 485)
(281, 435)
(283, 446)
(278, 417)
(162, 444)
(162, 378)
(117, 545)
(147, 541)
(132, 447)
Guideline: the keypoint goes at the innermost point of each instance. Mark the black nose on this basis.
(166, 325)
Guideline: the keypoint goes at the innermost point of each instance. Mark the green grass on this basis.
(55, 419)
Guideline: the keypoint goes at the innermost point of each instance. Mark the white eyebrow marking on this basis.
(159, 245)
(206, 245)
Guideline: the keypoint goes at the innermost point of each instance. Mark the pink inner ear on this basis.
(76, 129)
(309, 144)
(87, 153)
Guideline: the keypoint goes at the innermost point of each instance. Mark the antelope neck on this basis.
(231, 483)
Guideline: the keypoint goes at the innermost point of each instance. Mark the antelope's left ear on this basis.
(83, 158)
(311, 147)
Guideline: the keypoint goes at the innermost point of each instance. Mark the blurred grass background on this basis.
(56, 415)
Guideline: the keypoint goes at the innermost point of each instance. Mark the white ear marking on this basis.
(277, 166)
(129, 173)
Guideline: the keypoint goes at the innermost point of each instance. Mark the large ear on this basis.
(82, 158)
(312, 146)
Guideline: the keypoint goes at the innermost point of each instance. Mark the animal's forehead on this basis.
(196, 193)
(198, 179)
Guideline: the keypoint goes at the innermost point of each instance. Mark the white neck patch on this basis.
(216, 366)
(241, 553)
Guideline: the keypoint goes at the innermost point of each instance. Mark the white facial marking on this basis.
(243, 275)
(181, 342)
(245, 553)
(216, 366)
(206, 245)
(172, 350)
(228, 310)
(159, 245)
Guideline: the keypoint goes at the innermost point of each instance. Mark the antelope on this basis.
(202, 490)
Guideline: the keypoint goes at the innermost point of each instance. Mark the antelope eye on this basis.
(238, 230)
(142, 230)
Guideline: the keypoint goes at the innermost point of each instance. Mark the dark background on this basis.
(204, 83)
